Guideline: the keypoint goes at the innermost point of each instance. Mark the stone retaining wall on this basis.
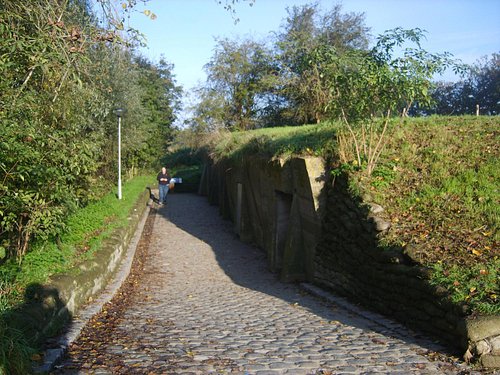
(274, 204)
(313, 231)
(48, 307)
(349, 261)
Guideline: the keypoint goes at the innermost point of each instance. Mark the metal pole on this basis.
(119, 158)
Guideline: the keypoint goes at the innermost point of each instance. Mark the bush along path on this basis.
(198, 300)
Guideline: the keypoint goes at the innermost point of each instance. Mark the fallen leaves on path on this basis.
(100, 342)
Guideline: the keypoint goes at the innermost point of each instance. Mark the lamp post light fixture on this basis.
(119, 112)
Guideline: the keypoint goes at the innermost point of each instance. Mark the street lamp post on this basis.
(119, 112)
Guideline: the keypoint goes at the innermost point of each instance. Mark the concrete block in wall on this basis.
(294, 257)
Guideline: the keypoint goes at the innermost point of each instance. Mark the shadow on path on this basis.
(246, 265)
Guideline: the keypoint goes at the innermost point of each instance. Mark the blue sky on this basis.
(184, 31)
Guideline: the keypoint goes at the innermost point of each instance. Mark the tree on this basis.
(485, 78)
(237, 71)
(263, 87)
(448, 98)
(46, 152)
(208, 115)
(481, 87)
(307, 31)
(370, 86)
(160, 98)
(62, 75)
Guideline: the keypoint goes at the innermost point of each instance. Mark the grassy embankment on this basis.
(85, 231)
(438, 182)
(186, 162)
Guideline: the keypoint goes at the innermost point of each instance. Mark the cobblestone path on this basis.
(206, 303)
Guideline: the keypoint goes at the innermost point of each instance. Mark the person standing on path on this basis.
(163, 184)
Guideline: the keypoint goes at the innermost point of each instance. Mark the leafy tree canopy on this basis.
(62, 76)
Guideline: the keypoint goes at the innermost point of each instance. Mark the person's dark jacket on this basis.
(163, 179)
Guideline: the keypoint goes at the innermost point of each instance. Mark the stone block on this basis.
(490, 361)
(482, 327)
(375, 208)
(380, 224)
(486, 350)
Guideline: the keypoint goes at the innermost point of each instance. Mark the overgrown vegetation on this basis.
(63, 72)
(83, 234)
(437, 181)
(62, 76)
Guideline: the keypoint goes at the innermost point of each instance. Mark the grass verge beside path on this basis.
(85, 231)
